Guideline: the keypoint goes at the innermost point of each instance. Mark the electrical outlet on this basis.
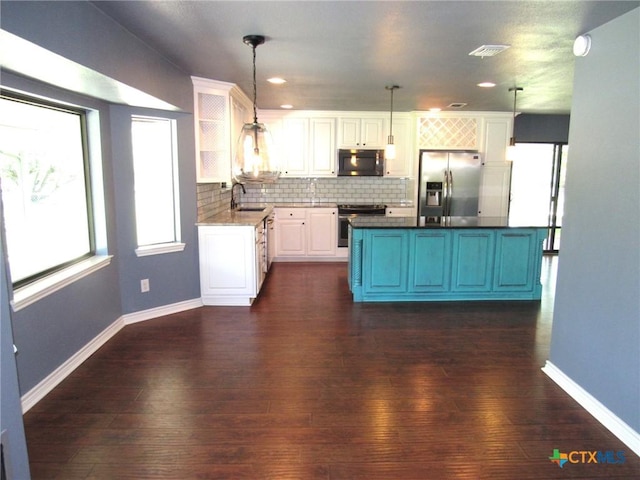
(144, 285)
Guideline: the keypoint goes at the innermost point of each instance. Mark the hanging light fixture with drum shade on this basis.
(511, 149)
(390, 149)
(255, 160)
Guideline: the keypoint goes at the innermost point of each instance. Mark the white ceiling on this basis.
(340, 55)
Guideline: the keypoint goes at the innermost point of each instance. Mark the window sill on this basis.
(159, 249)
(25, 296)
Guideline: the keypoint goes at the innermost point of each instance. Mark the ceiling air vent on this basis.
(457, 105)
(489, 50)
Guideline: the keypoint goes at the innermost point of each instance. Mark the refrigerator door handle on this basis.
(445, 193)
(450, 192)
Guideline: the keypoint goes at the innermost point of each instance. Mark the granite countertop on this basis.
(305, 205)
(237, 218)
(374, 221)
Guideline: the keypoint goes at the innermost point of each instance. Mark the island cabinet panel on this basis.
(444, 264)
(429, 261)
(386, 254)
(473, 252)
(516, 265)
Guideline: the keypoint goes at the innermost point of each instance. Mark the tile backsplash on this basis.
(212, 199)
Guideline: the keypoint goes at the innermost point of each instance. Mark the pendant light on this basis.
(511, 150)
(255, 161)
(390, 149)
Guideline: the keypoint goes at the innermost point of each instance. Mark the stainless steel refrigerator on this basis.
(449, 184)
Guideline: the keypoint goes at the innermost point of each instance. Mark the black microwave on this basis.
(367, 163)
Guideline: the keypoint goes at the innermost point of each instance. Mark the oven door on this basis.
(343, 230)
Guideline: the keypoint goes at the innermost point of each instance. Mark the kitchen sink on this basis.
(250, 209)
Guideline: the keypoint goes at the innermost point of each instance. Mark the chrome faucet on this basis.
(234, 204)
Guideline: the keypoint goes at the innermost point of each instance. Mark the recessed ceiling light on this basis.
(276, 80)
(488, 50)
(582, 45)
(457, 105)
(435, 109)
(286, 106)
(486, 84)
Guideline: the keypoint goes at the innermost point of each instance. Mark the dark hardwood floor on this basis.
(306, 384)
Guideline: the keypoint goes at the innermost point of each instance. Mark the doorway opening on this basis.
(537, 189)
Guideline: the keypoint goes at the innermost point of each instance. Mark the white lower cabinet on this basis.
(306, 233)
(233, 263)
(291, 226)
(270, 236)
(400, 212)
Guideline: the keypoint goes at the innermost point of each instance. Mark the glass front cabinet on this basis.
(220, 110)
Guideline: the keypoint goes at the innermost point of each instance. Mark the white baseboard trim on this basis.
(38, 392)
(156, 312)
(606, 417)
(311, 259)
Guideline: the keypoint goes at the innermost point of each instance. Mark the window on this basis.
(156, 185)
(44, 171)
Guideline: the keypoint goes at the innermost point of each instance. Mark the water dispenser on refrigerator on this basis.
(432, 209)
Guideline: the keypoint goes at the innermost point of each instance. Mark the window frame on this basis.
(24, 293)
(86, 167)
(170, 246)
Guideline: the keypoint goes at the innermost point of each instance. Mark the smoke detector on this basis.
(488, 50)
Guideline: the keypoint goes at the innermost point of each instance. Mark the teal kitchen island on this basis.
(396, 259)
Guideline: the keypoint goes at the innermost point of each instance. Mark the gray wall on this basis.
(538, 128)
(596, 326)
(173, 277)
(80, 32)
(11, 426)
(50, 331)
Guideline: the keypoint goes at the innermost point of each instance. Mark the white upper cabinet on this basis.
(306, 144)
(294, 144)
(497, 132)
(220, 110)
(495, 185)
(402, 165)
(361, 132)
(322, 145)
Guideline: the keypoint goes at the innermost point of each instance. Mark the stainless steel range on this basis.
(347, 211)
